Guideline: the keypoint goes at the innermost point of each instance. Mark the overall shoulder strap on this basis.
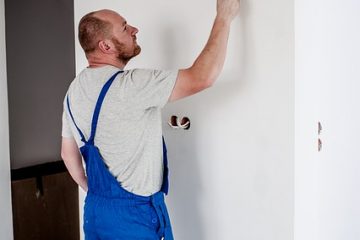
(165, 183)
(72, 117)
(98, 106)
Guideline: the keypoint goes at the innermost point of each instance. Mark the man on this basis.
(114, 117)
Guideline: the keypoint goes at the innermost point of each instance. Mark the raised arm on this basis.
(208, 65)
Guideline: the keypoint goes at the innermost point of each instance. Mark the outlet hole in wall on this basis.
(185, 123)
(175, 122)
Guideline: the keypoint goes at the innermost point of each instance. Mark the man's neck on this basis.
(95, 62)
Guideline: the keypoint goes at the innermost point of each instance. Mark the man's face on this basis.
(124, 38)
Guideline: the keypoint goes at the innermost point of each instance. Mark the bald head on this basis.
(107, 38)
(95, 26)
(106, 15)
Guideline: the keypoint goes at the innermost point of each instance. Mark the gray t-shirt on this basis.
(129, 133)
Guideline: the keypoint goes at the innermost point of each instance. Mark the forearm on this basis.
(76, 171)
(73, 161)
(80, 178)
(208, 65)
(210, 62)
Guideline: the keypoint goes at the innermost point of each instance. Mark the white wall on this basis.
(327, 90)
(232, 172)
(6, 229)
(338, 55)
(306, 118)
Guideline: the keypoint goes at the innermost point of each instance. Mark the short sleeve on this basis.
(152, 88)
(66, 130)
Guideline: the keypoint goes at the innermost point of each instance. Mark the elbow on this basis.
(209, 83)
(203, 78)
(206, 81)
(202, 85)
(209, 79)
(212, 77)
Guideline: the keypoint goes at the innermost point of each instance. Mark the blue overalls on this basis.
(110, 211)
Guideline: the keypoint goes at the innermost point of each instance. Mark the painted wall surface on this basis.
(6, 229)
(306, 118)
(232, 172)
(327, 90)
(39, 73)
(338, 54)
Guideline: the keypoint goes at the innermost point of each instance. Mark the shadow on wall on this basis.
(187, 184)
(184, 198)
(183, 202)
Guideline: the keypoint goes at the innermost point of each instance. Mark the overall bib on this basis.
(111, 212)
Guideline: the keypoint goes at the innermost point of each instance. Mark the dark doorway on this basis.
(45, 203)
(40, 49)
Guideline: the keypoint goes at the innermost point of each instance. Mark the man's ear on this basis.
(106, 46)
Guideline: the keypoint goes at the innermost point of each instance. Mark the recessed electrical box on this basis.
(175, 122)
